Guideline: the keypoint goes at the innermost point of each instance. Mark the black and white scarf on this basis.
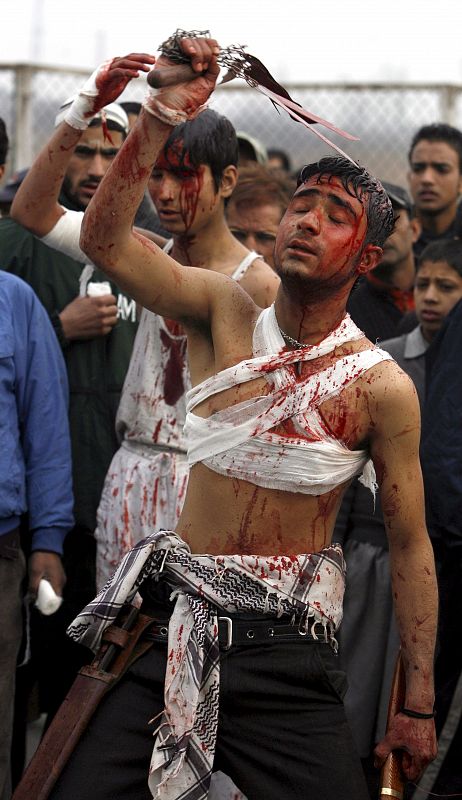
(305, 588)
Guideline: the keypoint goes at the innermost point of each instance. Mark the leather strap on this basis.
(234, 631)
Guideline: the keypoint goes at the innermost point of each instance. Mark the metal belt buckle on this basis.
(229, 631)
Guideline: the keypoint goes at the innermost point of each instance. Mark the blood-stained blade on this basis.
(304, 115)
(296, 116)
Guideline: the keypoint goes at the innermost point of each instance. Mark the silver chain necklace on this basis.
(291, 341)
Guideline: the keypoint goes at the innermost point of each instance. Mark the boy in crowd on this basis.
(435, 180)
(256, 207)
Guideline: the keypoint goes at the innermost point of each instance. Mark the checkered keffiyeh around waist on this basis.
(307, 588)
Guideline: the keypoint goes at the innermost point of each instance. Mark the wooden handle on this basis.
(78, 707)
(392, 779)
(168, 76)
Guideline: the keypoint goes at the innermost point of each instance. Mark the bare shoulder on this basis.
(387, 377)
(393, 397)
(261, 283)
(231, 299)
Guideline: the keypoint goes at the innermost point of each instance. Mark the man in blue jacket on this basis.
(35, 474)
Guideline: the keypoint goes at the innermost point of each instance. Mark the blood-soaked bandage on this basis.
(78, 111)
(156, 108)
(84, 107)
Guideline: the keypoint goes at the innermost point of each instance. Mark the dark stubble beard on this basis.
(307, 288)
(74, 202)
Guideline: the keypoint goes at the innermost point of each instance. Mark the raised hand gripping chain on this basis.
(247, 67)
(171, 83)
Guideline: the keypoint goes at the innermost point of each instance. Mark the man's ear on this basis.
(369, 259)
(228, 180)
(416, 227)
(2, 171)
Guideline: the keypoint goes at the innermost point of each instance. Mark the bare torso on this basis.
(252, 519)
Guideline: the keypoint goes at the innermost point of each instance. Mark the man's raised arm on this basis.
(137, 265)
(36, 205)
(395, 451)
(70, 148)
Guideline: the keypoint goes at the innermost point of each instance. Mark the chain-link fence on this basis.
(383, 116)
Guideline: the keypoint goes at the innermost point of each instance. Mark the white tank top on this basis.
(152, 408)
(239, 441)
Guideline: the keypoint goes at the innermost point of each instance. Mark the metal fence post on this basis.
(24, 139)
(448, 98)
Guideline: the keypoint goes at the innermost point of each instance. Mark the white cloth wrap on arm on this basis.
(81, 111)
(65, 236)
(170, 116)
(154, 105)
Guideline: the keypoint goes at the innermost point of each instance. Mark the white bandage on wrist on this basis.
(170, 116)
(81, 111)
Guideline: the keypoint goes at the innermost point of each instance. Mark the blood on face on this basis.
(176, 186)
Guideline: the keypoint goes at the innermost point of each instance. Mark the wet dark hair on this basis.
(447, 250)
(4, 143)
(208, 139)
(439, 132)
(358, 183)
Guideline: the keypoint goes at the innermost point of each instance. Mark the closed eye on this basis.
(265, 237)
(240, 235)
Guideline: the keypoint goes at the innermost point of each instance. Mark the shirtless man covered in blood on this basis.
(287, 405)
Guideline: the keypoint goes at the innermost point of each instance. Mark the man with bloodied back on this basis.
(288, 404)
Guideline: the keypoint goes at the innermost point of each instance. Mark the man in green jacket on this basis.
(96, 332)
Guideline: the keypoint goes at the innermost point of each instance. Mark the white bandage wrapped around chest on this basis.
(240, 441)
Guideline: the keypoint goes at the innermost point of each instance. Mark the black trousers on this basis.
(448, 666)
(282, 732)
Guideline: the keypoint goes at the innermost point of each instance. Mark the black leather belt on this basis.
(236, 631)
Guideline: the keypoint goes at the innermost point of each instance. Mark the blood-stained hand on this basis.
(416, 738)
(104, 86)
(188, 96)
(113, 77)
(87, 317)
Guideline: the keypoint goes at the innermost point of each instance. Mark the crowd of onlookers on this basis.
(92, 455)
